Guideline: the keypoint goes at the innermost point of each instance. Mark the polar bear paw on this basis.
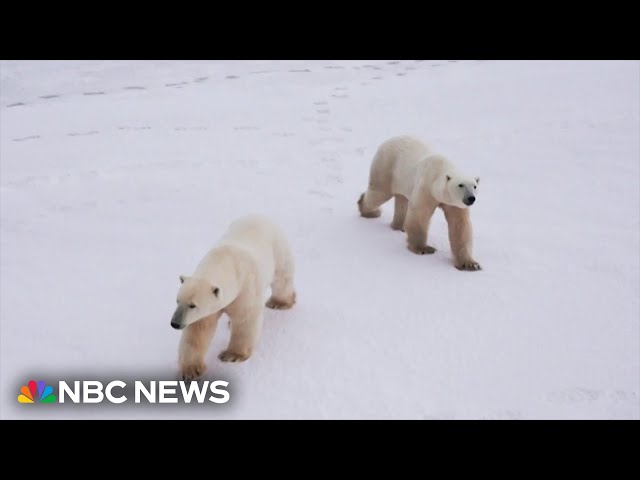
(279, 304)
(426, 250)
(192, 372)
(229, 356)
(367, 213)
(469, 265)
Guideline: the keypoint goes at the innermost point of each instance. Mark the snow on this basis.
(120, 183)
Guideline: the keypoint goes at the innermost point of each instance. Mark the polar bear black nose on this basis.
(469, 200)
(177, 326)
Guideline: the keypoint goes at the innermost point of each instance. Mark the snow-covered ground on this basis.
(117, 176)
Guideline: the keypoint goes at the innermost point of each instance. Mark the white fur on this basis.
(253, 255)
(406, 168)
(413, 170)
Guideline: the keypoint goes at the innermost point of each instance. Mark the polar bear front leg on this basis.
(194, 344)
(246, 324)
(461, 237)
(417, 227)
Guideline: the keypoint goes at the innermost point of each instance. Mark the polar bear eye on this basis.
(461, 185)
(192, 305)
(474, 187)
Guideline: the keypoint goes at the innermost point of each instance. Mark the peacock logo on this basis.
(41, 391)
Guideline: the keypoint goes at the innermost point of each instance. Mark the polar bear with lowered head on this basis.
(421, 181)
(253, 255)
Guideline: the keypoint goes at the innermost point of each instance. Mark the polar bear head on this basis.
(197, 299)
(460, 191)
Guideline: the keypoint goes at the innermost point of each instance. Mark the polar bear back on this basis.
(394, 167)
(263, 239)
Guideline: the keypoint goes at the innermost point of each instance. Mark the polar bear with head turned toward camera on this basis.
(252, 256)
(421, 181)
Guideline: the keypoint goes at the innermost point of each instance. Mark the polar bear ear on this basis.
(182, 278)
(477, 179)
(448, 178)
(216, 291)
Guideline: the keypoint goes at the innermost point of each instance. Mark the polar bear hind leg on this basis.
(417, 227)
(283, 292)
(370, 201)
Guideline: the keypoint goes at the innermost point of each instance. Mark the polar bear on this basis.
(420, 180)
(253, 255)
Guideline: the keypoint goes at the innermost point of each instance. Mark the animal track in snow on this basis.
(588, 395)
(503, 415)
(82, 134)
(443, 416)
(190, 129)
(134, 87)
(134, 128)
(334, 179)
(574, 395)
(622, 396)
(327, 140)
(30, 137)
(320, 193)
(47, 97)
(93, 93)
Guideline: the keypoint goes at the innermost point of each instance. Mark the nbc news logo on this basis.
(93, 391)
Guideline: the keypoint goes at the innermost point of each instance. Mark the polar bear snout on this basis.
(470, 200)
(177, 319)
